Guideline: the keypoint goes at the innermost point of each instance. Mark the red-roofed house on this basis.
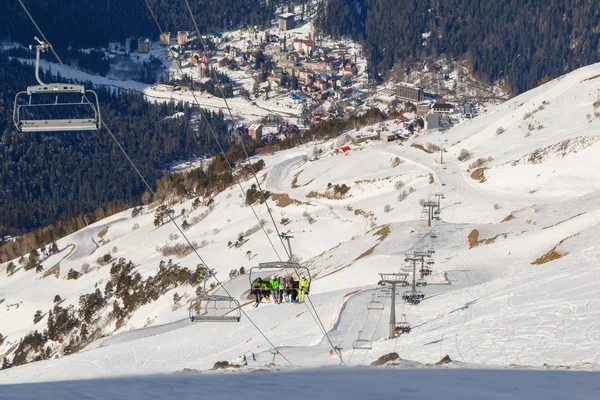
(303, 45)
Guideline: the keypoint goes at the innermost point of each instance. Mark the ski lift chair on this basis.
(374, 304)
(403, 325)
(362, 344)
(212, 308)
(288, 266)
(22, 111)
(421, 283)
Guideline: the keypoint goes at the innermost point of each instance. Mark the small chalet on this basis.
(255, 131)
(286, 21)
(387, 136)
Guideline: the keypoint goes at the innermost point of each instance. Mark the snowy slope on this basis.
(486, 304)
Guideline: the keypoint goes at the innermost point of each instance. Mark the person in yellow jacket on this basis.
(302, 289)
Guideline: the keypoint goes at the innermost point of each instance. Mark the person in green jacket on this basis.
(265, 290)
(257, 290)
(274, 285)
(302, 289)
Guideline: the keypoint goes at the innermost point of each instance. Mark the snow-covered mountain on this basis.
(514, 281)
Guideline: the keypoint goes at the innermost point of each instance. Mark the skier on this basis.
(282, 289)
(302, 289)
(274, 285)
(257, 290)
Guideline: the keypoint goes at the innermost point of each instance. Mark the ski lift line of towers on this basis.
(392, 280)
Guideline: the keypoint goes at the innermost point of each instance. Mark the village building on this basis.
(287, 21)
(422, 109)
(437, 121)
(318, 67)
(182, 38)
(408, 92)
(443, 108)
(303, 45)
(387, 96)
(255, 131)
(165, 39)
(387, 136)
(143, 46)
(348, 67)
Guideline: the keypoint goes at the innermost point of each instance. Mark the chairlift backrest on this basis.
(200, 309)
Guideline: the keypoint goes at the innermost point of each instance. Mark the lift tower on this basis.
(430, 205)
(393, 280)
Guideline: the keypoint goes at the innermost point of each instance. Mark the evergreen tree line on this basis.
(521, 41)
(88, 23)
(64, 181)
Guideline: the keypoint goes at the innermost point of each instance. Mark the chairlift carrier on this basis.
(232, 312)
(91, 123)
(374, 304)
(277, 265)
(362, 344)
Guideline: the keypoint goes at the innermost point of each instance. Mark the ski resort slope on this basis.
(514, 284)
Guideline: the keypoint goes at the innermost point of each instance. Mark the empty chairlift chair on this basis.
(374, 304)
(79, 108)
(213, 308)
(362, 344)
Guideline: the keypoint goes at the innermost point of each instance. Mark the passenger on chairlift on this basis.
(293, 289)
(302, 289)
(274, 286)
(282, 290)
(257, 290)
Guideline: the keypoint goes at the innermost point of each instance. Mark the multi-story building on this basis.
(408, 92)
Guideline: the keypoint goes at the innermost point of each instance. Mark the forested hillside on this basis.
(521, 41)
(47, 177)
(93, 23)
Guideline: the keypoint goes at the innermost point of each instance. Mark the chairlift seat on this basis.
(215, 314)
(362, 344)
(375, 305)
(58, 125)
(56, 89)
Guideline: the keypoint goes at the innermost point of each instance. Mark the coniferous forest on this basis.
(48, 177)
(521, 41)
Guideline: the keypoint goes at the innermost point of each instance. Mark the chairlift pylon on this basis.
(212, 308)
(22, 108)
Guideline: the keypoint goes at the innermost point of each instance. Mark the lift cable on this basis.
(316, 316)
(201, 38)
(151, 190)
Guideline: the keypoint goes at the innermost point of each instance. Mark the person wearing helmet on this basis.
(257, 290)
(274, 285)
(302, 288)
